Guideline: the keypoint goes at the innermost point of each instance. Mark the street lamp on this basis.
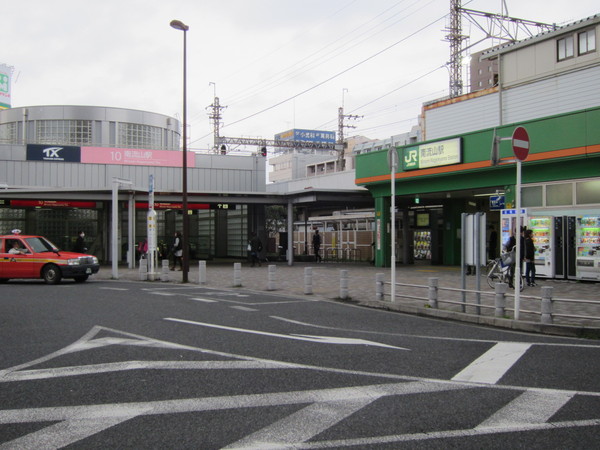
(179, 25)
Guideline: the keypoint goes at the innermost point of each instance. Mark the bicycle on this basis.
(498, 270)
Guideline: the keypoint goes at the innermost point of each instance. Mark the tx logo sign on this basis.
(52, 153)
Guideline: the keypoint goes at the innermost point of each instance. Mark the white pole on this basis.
(517, 280)
(114, 238)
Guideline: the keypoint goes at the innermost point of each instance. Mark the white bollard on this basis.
(547, 305)
(343, 284)
(201, 272)
(164, 274)
(308, 281)
(500, 290)
(272, 282)
(379, 286)
(143, 270)
(432, 292)
(237, 274)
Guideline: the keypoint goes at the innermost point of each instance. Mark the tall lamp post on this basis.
(179, 25)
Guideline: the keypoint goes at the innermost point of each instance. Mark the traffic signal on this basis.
(223, 149)
(263, 151)
(495, 153)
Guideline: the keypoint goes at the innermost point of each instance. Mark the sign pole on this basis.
(517, 280)
(393, 156)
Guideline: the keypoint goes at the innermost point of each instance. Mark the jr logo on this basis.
(52, 152)
(411, 158)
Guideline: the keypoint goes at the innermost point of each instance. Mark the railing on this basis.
(547, 311)
(342, 254)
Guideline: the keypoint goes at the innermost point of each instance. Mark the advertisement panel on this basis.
(306, 135)
(434, 154)
(5, 81)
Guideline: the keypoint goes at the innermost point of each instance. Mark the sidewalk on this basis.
(289, 280)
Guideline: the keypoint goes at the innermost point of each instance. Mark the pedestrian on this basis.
(509, 247)
(143, 248)
(79, 246)
(177, 251)
(529, 258)
(316, 242)
(255, 249)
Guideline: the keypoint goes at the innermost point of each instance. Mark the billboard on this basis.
(5, 80)
(297, 134)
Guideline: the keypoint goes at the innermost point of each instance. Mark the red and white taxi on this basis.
(25, 256)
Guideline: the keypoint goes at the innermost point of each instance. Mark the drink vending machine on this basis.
(588, 247)
(543, 230)
(564, 253)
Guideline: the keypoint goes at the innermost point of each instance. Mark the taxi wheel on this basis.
(51, 274)
(3, 280)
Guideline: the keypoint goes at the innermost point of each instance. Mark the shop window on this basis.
(531, 196)
(565, 48)
(559, 194)
(588, 192)
(587, 41)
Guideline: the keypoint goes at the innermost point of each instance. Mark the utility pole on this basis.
(341, 126)
(500, 27)
(215, 116)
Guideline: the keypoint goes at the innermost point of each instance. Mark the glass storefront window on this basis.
(588, 192)
(559, 194)
(531, 196)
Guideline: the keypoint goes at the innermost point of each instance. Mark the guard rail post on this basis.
(379, 280)
(201, 272)
(271, 278)
(164, 274)
(343, 284)
(143, 270)
(547, 305)
(308, 281)
(432, 292)
(237, 274)
(500, 299)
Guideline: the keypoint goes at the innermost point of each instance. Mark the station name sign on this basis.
(433, 154)
(191, 206)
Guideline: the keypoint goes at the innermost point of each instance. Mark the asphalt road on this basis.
(112, 364)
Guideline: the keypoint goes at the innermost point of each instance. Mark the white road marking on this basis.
(205, 300)
(298, 337)
(244, 308)
(166, 294)
(531, 407)
(113, 288)
(493, 364)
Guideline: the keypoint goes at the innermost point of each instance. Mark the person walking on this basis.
(316, 242)
(177, 251)
(255, 249)
(79, 246)
(492, 242)
(529, 258)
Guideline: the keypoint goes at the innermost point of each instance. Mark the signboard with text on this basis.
(135, 157)
(433, 154)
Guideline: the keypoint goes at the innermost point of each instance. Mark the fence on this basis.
(547, 310)
(334, 254)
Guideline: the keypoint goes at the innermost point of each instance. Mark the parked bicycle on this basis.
(498, 270)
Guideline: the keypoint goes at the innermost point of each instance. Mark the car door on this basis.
(15, 265)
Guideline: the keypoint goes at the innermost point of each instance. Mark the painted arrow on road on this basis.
(297, 337)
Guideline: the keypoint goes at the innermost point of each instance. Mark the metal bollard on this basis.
(143, 270)
(271, 278)
(308, 281)
(164, 275)
(237, 274)
(547, 305)
(201, 272)
(343, 284)
(432, 292)
(500, 299)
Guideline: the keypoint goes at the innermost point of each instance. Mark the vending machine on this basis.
(563, 249)
(588, 247)
(508, 223)
(422, 244)
(543, 229)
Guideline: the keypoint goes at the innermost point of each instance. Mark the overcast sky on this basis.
(275, 64)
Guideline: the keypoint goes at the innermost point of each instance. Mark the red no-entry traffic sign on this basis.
(520, 143)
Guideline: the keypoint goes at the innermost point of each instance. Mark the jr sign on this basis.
(434, 154)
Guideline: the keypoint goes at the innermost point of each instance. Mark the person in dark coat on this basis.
(529, 258)
(316, 242)
(79, 246)
(255, 249)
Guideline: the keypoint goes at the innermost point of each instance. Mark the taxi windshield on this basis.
(40, 245)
